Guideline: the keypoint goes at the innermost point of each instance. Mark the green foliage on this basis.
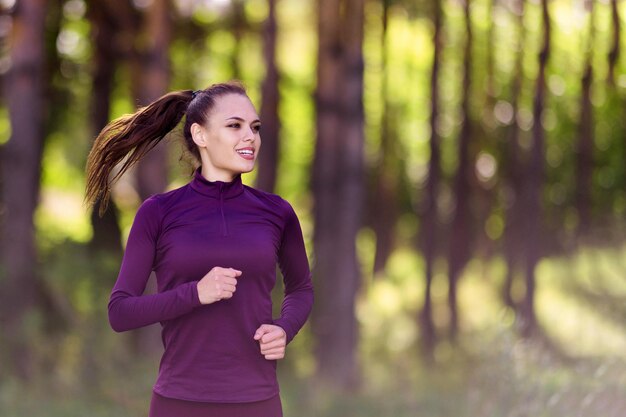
(5, 126)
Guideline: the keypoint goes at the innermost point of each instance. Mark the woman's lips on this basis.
(246, 153)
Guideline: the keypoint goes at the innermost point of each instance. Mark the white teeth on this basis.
(245, 152)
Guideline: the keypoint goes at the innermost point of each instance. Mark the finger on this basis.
(223, 291)
(261, 331)
(271, 356)
(224, 295)
(272, 345)
(227, 287)
(230, 272)
(259, 334)
(275, 349)
(228, 280)
(273, 335)
(274, 357)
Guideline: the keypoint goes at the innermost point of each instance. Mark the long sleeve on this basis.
(128, 308)
(294, 265)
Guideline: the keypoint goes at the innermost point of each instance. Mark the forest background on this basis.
(458, 167)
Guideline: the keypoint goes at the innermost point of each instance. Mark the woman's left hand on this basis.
(272, 340)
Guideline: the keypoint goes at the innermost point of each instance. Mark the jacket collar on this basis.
(216, 189)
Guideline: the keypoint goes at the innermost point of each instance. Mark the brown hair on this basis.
(131, 136)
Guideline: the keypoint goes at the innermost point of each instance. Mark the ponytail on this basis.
(128, 139)
(131, 136)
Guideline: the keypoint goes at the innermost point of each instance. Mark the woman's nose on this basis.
(250, 135)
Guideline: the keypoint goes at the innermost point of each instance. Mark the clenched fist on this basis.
(272, 341)
(218, 284)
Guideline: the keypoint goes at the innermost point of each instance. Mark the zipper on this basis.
(224, 229)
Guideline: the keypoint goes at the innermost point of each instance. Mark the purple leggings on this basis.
(169, 407)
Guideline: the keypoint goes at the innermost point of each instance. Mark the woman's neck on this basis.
(216, 175)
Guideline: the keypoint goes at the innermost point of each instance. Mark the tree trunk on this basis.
(350, 200)
(107, 235)
(152, 170)
(21, 166)
(512, 173)
(238, 28)
(384, 198)
(328, 305)
(338, 189)
(614, 53)
(533, 186)
(104, 18)
(584, 151)
(430, 229)
(615, 48)
(268, 158)
(460, 234)
(491, 59)
(486, 135)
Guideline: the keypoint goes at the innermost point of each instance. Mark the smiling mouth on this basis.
(247, 153)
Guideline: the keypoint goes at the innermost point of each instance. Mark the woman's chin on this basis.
(248, 167)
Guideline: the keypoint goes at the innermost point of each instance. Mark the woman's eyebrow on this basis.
(239, 119)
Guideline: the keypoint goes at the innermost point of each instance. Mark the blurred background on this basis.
(458, 167)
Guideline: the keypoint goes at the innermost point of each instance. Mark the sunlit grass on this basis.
(479, 300)
(567, 317)
(492, 372)
(388, 310)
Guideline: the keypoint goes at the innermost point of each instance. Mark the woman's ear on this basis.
(198, 134)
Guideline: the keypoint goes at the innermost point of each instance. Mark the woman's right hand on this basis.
(218, 284)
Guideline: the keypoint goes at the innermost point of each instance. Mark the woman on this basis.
(214, 245)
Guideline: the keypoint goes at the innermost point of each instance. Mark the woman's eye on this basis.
(234, 125)
(256, 128)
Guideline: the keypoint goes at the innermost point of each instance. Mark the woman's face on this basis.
(229, 142)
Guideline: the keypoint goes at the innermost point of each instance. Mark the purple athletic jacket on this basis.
(210, 353)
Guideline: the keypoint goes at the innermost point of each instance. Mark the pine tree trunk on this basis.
(21, 166)
(152, 171)
(107, 235)
(614, 53)
(270, 149)
(384, 198)
(486, 137)
(338, 189)
(324, 187)
(533, 186)
(513, 175)
(460, 234)
(491, 59)
(238, 25)
(430, 229)
(584, 150)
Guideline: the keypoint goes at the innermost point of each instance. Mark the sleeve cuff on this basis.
(193, 294)
(283, 324)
